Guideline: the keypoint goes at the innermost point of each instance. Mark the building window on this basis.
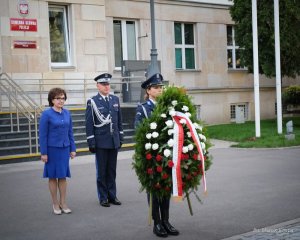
(125, 41)
(233, 51)
(59, 36)
(184, 45)
(233, 112)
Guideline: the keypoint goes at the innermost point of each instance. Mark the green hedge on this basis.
(291, 95)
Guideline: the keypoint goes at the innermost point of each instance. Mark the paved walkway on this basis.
(248, 192)
(289, 230)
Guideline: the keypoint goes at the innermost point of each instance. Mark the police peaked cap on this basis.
(103, 78)
(155, 79)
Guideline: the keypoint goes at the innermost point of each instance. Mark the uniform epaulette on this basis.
(146, 103)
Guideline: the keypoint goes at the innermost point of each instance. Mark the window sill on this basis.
(62, 67)
(187, 70)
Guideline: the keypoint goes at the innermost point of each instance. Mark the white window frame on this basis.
(233, 111)
(66, 19)
(124, 39)
(233, 49)
(184, 46)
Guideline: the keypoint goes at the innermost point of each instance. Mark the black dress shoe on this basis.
(159, 230)
(104, 203)
(115, 201)
(170, 229)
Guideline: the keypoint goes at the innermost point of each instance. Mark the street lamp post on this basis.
(153, 67)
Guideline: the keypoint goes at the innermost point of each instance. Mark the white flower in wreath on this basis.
(197, 126)
(185, 108)
(170, 132)
(148, 135)
(189, 134)
(188, 114)
(148, 146)
(153, 125)
(182, 121)
(169, 123)
(202, 145)
(155, 146)
(167, 152)
(202, 137)
(163, 115)
(155, 134)
(185, 149)
(172, 112)
(190, 147)
(171, 142)
(174, 103)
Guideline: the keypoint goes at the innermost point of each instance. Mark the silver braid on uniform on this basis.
(103, 120)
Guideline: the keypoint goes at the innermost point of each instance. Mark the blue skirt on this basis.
(58, 163)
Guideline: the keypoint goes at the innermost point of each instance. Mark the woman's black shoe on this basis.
(159, 230)
(170, 229)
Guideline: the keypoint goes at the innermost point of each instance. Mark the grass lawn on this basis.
(244, 134)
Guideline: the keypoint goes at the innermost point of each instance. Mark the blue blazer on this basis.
(103, 137)
(56, 130)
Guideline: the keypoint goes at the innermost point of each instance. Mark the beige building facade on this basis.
(67, 43)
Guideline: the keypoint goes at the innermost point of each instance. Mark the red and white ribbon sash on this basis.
(177, 151)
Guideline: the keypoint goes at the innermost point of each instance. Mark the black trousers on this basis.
(160, 208)
(106, 173)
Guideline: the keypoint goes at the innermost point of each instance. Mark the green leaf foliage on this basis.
(289, 22)
(291, 95)
(152, 166)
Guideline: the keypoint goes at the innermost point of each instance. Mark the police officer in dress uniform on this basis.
(104, 133)
(160, 206)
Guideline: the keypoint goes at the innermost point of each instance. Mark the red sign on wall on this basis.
(20, 24)
(25, 44)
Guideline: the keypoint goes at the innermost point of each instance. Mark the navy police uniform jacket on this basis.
(143, 110)
(108, 136)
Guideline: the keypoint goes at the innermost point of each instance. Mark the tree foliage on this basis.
(289, 22)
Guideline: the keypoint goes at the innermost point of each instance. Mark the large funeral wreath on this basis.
(154, 155)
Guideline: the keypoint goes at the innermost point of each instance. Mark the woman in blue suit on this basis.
(57, 145)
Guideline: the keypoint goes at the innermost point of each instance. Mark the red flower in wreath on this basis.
(150, 171)
(170, 163)
(165, 176)
(159, 169)
(158, 158)
(148, 156)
